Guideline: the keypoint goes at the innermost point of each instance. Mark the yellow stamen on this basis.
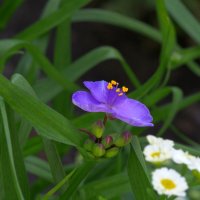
(109, 86)
(168, 184)
(113, 82)
(118, 90)
(155, 154)
(120, 94)
(124, 89)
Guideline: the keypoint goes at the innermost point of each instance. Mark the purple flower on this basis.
(107, 97)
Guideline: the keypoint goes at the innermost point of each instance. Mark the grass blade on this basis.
(50, 149)
(9, 47)
(44, 25)
(47, 89)
(11, 152)
(78, 176)
(52, 124)
(7, 10)
(184, 18)
(116, 19)
(39, 168)
(177, 98)
(138, 174)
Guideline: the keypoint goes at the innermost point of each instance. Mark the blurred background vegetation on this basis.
(140, 52)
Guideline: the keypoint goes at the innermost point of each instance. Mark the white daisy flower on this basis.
(159, 141)
(194, 164)
(157, 153)
(169, 182)
(181, 198)
(181, 157)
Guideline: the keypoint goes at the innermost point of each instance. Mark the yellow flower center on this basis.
(168, 184)
(109, 86)
(113, 82)
(124, 89)
(121, 91)
(155, 154)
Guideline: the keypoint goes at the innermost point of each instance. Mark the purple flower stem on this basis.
(98, 140)
(88, 132)
(105, 119)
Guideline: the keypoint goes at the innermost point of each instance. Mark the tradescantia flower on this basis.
(109, 98)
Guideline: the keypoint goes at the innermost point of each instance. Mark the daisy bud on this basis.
(107, 141)
(98, 150)
(112, 152)
(88, 145)
(124, 139)
(98, 129)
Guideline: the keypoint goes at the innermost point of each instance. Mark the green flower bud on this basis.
(98, 129)
(98, 150)
(119, 142)
(112, 152)
(88, 144)
(123, 139)
(107, 141)
(127, 137)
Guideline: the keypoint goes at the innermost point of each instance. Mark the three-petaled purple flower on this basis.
(107, 97)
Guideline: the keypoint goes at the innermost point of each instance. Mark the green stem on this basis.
(58, 186)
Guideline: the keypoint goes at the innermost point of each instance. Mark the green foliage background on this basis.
(24, 98)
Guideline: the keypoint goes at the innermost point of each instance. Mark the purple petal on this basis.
(132, 112)
(87, 102)
(98, 90)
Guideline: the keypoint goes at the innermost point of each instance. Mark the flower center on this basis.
(155, 154)
(115, 84)
(168, 184)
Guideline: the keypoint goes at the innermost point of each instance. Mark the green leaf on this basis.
(54, 160)
(58, 186)
(110, 187)
(25, 127)
(33, 146)
(183, 136)
(50, 149)
(7, 10)
(46, 24)
(177, 98)
(78, 176)
(47, 89)
(14, 175)
(160, 112)
(49, 122)
(9, 47)
(62, 59)
(184, 18)
(27, 66)
(138, 174)
(184, 56)
(116, 19)
(39, 168)
(156, 96)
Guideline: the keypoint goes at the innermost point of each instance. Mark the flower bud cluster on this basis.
(108, 146)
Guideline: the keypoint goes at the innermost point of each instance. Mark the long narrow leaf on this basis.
(49, 22)
(10, 150)
(138, 174)
(184, 18)
(52, 124)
